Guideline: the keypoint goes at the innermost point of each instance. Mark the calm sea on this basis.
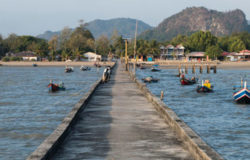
(222, 123)
(28, 112)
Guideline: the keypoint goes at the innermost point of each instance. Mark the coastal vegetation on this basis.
(73, 44)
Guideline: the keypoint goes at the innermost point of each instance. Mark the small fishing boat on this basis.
(242, 96)
(84, 68)
(205, 87)
(150, 79)
(185, 81)
(56, 87)
(34, 65)
(155, 68)
(97, 65)
(68, 69)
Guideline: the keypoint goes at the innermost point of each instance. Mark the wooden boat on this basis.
(56, 87)
(185, 81)
(242, 96)
(97, 65)
(154, 69)
(69, 69)
(204, 88)
(150, 79)
(84, 68)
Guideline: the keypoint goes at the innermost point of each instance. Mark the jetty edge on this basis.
(191, 141)
(49, 146)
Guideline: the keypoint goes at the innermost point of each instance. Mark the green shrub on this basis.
(15, 58)
(6, 59)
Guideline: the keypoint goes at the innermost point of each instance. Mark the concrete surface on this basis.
(119, 123)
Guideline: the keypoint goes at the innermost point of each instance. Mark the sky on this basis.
(33, 17)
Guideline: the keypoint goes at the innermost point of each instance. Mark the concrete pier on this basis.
(122, 119)
(120, 123)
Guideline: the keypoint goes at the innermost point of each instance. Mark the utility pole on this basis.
(135, 60)
(126, 54)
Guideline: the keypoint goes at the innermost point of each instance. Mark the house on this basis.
(92, 56)
(26, 55)
(171, 52)
(245, 54)
(197, 56)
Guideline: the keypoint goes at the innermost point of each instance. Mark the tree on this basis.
(118, 45)
(200, 41)
(11, 42)
(53, 46)
(79, 41)
(214, 51)
(1, 47)
(102, 45)
(236, 45)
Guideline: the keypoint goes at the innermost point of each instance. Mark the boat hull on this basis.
(187, 82)
(242, 96)
(203, 89)
(155, 70)
(54, 88)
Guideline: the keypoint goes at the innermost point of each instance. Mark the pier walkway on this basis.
(119, 123)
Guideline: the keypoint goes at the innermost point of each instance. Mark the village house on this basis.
(171, 52)
(242, 55)
(25, 55)
(196, 56)
(92, 56)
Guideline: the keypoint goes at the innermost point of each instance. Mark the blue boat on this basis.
(243, 95)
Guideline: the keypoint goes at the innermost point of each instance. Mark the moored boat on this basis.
(150, 79)
(204, 87)
(185, 81)
(56, 87)
(97, 65)
(34, 65)
(84, 68)
(154, 69)
(68, 69)
(242, 96)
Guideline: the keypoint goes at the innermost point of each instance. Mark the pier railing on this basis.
(191, 141)
(49, 146)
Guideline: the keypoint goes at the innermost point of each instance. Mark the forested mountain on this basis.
(124, 27)
(195, 19)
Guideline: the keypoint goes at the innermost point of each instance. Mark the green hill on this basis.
(124, 26)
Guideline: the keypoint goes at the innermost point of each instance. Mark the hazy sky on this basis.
(32, 17)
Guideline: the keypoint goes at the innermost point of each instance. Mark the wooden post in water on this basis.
(215, 69)
(186, 69)
(162, 95)
(208, 68)
(193, 69)
(201, 69)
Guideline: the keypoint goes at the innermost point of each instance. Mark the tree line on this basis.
(71, 44)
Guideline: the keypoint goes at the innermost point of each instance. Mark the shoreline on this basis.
(51, 64)
(167, 65)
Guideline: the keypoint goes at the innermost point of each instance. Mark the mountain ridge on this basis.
(98, 27)
(194, 19)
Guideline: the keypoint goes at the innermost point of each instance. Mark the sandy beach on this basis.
(165, 64)
(27, 63)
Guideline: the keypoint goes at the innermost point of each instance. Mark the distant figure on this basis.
(106, 75)
(207, 84)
